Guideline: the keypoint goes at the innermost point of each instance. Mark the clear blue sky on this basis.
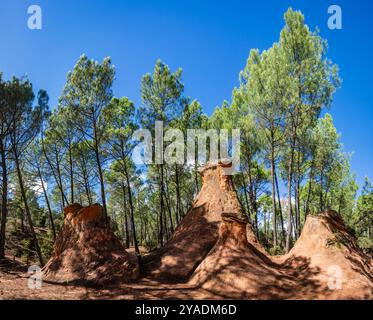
(210, 40)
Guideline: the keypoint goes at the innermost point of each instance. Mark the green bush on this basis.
(365, 243)
(23, 250)
(46, 245)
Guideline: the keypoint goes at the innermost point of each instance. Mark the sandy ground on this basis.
(14, 285)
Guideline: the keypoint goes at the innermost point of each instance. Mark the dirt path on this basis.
(14, 285)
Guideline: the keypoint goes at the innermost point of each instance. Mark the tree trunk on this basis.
(131, 208)
(27, 208)
(196, 176)
(102, 185)
(252, 197)
(290, 178)
(51, 221)
(161, 204)
(71, 173)
(86, 180)
(274, 220)
(307, 206)
(100, 173)
(4, 199)
(22, 221)
(298, 195)
(321, 204)
(168, 206)
(246, 197)
(125, 215)
(63, 196)
(280, 208)
(178, 200)
(59, 176)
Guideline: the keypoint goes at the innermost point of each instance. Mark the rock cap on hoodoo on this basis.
(225, 163)
(88, 250)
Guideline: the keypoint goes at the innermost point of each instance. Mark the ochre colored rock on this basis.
(325, 263)
(328, 245)
(78, 215)
(235, 268)
(87, 250)
(198, 231)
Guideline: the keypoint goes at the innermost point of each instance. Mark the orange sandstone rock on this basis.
(87, 250)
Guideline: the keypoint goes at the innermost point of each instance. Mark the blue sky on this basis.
(210, 40)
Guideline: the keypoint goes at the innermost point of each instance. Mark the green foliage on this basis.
(46, 244)
(23, 250)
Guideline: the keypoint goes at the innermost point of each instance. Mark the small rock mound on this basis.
(344, 270)
(86, 250)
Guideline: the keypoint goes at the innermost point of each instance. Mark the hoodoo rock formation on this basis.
(344, 271)
(87, 250)
(235, 268)
(325, 263)
(198, 231)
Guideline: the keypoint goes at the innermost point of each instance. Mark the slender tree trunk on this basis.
(102, 185)
(265, 226)
(27, 208)
(158, 225)
(307, 206)
(141, 215)
(296, 225)
(165, 226)
(131, 207)
(274, 220)
(4, 199)
(246, 197)
(60, 187)
(125, 215)
(280, 208)
(252, 197)
(63, 197)
(196, 176)
(87, 190)
(86, 180)
(321, 204)
(22, 221)
(178, 200)
(71, 173)
(51, 221)
(161, 204)
(298, 194)
(168, 206)
(255, 211)
(290, 178)
(100, 173)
